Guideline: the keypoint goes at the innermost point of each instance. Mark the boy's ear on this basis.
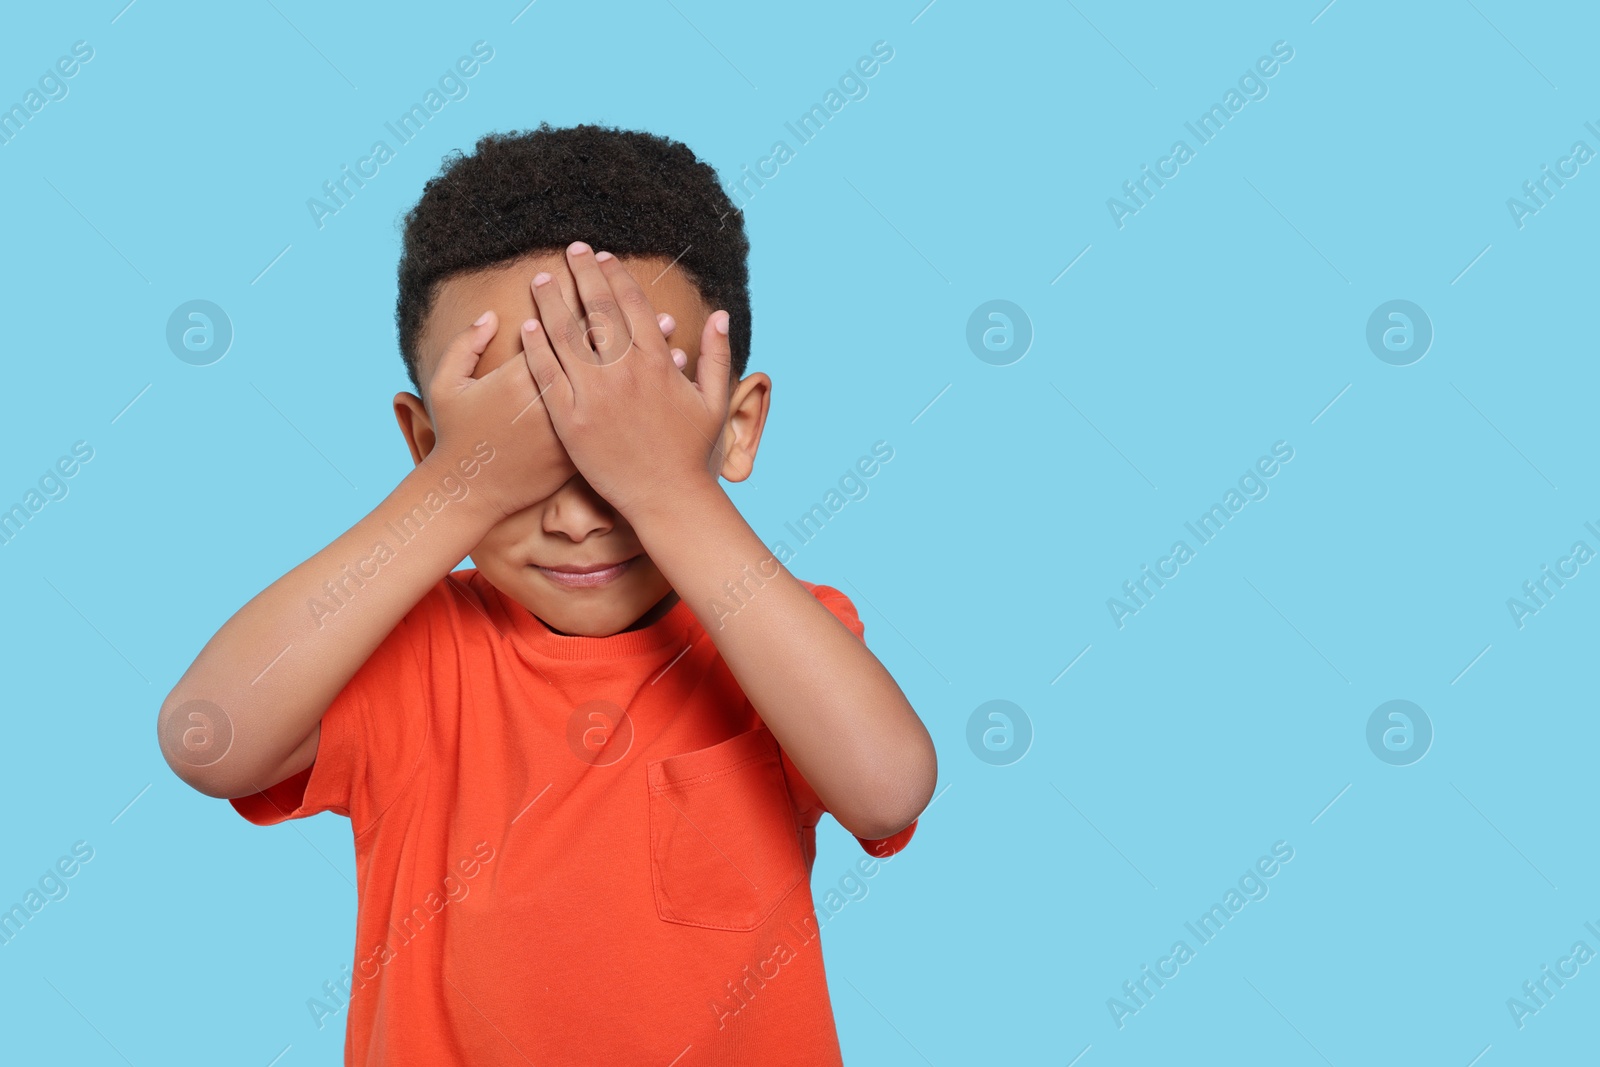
(415, 425)
(747, 417)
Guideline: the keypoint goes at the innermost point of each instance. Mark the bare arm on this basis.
(277, 664)
(259, 688)
(834, 709)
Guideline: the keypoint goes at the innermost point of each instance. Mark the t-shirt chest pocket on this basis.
(724, 841)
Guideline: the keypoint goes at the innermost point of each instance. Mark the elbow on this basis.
(207, 786)
(878, 830)
(904, 798)
(194, 737)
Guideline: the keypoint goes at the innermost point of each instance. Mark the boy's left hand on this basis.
(633, 424)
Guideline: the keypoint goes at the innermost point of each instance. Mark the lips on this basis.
(586, 575)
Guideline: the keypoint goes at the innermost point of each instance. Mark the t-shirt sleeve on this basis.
(372, 736)
(807, 804)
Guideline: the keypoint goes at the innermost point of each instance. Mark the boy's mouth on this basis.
(586, 575)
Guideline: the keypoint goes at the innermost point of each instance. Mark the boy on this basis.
(577, 838)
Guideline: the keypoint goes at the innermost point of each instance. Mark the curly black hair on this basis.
(628, 192)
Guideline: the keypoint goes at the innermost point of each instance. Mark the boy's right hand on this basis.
(503, 408)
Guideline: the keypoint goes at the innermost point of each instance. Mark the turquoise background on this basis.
(1229, 313)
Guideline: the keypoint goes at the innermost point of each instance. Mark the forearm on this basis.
(277, 664)
(832, 706)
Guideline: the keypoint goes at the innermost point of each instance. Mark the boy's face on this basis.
(574, 526)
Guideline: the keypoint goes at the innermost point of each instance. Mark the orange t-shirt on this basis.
(569, 850)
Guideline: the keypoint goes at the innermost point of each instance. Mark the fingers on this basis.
(554, 388)
(562, 329)
(461, 356)
(632, 303)
(612, 302)
(711, 373)
(606, 332)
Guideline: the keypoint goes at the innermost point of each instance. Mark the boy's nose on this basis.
(577, 512)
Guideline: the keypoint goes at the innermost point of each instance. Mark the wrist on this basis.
(456, 481)
(693, 500)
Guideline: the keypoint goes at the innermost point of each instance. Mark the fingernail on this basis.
(531, 326)
(679, 358)
(601, 257)
(482, 319)
(720, 322)
(577, 248)
(540, 279)
(665, 321)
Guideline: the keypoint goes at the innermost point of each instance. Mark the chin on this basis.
(594, 621)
